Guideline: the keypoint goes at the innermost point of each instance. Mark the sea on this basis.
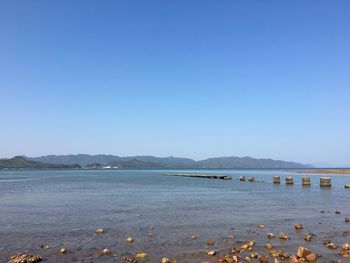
(42, 211)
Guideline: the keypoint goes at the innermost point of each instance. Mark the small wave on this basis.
(14, 179)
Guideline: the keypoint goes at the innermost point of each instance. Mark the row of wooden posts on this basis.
(324, 181)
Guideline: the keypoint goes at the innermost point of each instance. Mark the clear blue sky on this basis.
(183, 78)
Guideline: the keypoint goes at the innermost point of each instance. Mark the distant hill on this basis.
(102, 159)
(81, 159)
(21, 162)
(247, 162)
(96, 161)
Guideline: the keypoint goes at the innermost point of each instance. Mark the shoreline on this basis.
(330, 171)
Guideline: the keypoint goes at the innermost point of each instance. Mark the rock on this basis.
(345, 253)
(329, 244)
(248, 245)
(211, 253)
(261, 226)
(242, 178)
(235, 258)
(270, 235)
(141, 255)
(225, 259)
(96, 254)
(106, 251)
(210, 243)
(150, 234)
(247, 259)
(347, 186)
(302, 252)
(193, 237)
(345, 250)
(347, 220)
(129, 240)
(130, 259)
(308, 237)
(274, 253)
(235, 250)
(263, 259)
(44, 246)
(251, 179)
(63, 250)
(279, 253)
(269, 246)
(100, 230)
(298, 226)
(284, 255)
(229, 237)
(254, 255)
(346, 246)
(293, 259)
(311, 257)
(283, 236)
(337, 212)
(245, 246)
(25, 258)
(165, 260)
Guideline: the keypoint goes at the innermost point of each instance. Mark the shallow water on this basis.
(63, 208)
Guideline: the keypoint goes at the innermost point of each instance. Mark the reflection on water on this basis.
(63, 208)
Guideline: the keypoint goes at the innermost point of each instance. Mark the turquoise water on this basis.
(62, 208)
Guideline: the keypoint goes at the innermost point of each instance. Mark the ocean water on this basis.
(63, 208)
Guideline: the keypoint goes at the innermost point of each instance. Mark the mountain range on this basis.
(100, 160)
(18, 162)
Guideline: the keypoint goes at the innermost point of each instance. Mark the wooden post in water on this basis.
(276, 180)
(289, 180)
(305, 181)
(325, 182)
(242, 178)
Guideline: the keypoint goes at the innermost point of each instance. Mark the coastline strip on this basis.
(333, 171)
(206, 176)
